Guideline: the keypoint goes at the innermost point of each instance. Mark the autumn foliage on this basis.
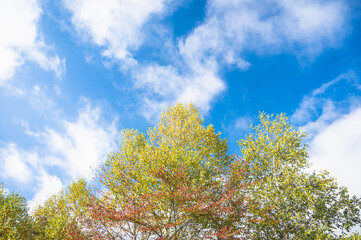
(175, 182)
(178, 181)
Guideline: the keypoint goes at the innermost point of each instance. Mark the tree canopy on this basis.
(173, 182)
(179, 181)
(302, 205)
(15, 222)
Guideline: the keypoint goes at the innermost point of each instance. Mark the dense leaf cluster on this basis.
(178, 181)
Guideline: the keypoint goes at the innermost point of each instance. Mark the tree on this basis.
(15, 222)
(299, 205)
(354, 236)
(175, 182)
(64, 216)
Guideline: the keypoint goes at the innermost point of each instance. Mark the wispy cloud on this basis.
(331, 120)
(47, 185)
(164, 86)
(303, 28)
(81, 145)
(230, 30)
(21, 39)
(73, 149)
(26, 168)
(17, 164)
(115, 25)
(321, 107)
(337, 150)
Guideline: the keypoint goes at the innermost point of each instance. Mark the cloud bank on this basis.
(72, 150)
(230, 31)
(332, 121)
(337, 149)
(21, 39)
(115, 25)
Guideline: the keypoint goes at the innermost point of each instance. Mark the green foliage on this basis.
(179, 139)
(15, 222)
(171, 182)
(64, 215)
(354, 236)
(299, 205)
(177, 181)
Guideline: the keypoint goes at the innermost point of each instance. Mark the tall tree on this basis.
(177, 181)
(300, 205)
(15, 222)
(65, 215)
(174, 182)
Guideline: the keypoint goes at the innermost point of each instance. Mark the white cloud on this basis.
(238, 127)
(313, 24)
(82, 145)
(331, 118)
(319, 109)
(243, 124)
(72, 150)
(16, 164)
(26, 167)
(40, 100)
(306, 27)
(21, 40)
(337, 150)
(47, 186)
(115, 25)
(329, 114)
(166, 86)
(230, 28)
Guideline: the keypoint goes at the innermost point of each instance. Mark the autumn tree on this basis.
(15, 222)
(353, 236)
(177, 181)
(64, 215)
(174, 182)
(301, 205)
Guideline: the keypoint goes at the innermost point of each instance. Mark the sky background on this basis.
(74, 73)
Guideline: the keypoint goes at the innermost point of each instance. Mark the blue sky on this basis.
(73, 73)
